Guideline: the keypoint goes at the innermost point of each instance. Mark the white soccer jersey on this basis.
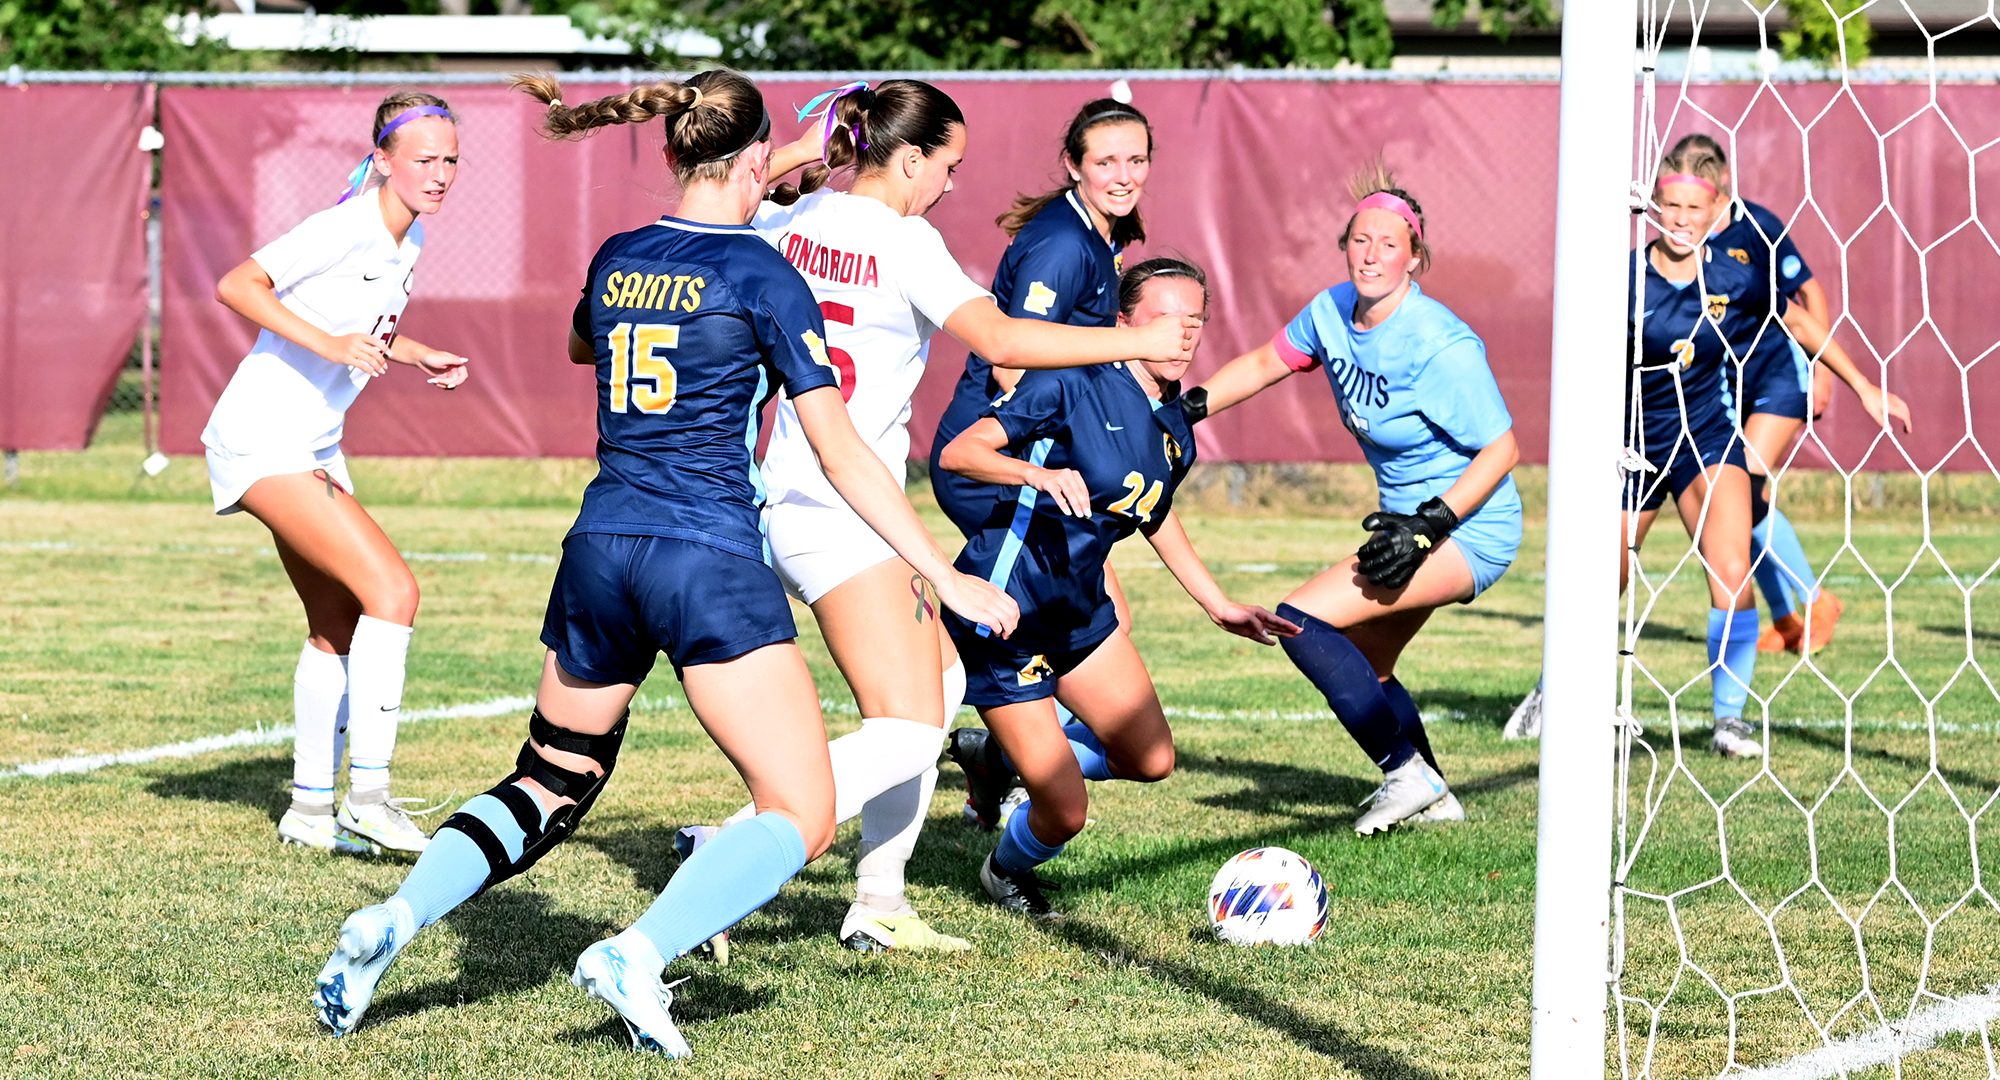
(343, 272)
(885, 284)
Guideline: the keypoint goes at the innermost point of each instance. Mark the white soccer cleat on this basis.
(385, 823)
(1735, 739)
(1406, 791)
(866, 930)
(370, 941)
(322, 832)
(605, 972)
(1445, 809)
(1016, 797)
(1526, 720)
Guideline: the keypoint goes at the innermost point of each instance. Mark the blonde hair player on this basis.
(885, 283)
(690, 322)
(328, 297)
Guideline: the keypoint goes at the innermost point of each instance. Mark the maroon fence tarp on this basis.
(1249, 179)
(73, 282)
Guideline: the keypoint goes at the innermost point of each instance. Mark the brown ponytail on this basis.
(710, 118)
(872, 125)
(1095, 114)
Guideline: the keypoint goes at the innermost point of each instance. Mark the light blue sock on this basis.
(1731, 681)
(1770, 572)
(736, 872)
(453, 868)
(1782, 542)
(1089, 752)
(1020, 849)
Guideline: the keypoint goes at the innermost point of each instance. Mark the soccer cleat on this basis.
(386, 823)
(1406, 791)
(321, 831)
(687, 841)
(1019, 893)
(1445, 809)
(1526, 720)
(636, 995)
(1735, 739)
(369, 942)
(1821, 617)
(987, 777)
(1785, 634)
(1017, 797)
(866, 930)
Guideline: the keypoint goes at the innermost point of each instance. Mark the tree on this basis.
(1818, 27)
(105, 35)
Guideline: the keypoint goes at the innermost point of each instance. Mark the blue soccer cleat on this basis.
(369, 942)
(632, 987)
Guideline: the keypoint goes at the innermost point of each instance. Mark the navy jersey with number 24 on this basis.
(694, 326)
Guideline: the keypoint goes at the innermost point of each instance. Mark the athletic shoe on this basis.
(687, 841)
(386, 823)
(987, 776)
(1526, 720)
(321, 831)
(369, 942)
(1406, 791)
(1785, 634)
(1017, 797)
(1821, 617)
(1445, 809)
(866, 930)
(636, 995)
(1019, 893)
(1735, 739)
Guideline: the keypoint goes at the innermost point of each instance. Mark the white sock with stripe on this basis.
(318, 686)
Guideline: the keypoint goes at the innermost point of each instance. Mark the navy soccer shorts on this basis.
(1001, 673)
(619, 601)
(1678, 462)
(1775, 381)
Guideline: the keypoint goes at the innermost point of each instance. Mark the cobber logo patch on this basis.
(1740, 255)
(1040, 298)
(816, 347)
(1718, 305)
(1035, 670)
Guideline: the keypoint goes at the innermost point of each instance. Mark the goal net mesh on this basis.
(1825, 909)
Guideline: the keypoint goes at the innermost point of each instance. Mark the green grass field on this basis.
(150, 925)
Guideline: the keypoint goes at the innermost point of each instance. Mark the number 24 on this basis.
(1134, 484)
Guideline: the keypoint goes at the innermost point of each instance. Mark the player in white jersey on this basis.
(328, 296)
(886, 282)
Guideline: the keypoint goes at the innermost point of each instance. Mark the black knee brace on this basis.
(1760, 507)
(564, 783)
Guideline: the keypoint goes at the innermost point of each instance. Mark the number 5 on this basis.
(843, 362)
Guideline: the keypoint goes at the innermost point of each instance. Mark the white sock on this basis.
(889, 827)
(885, 752)
(318, 686)
(954, 690)
(374, 700)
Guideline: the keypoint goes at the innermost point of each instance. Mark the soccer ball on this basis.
(1267, 896)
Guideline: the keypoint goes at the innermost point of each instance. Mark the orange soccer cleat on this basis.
(1821, 617)
(1785, 634)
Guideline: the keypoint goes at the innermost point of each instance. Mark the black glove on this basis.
(1194, 405)
(1402, 542)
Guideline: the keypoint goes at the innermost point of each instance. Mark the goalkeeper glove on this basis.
(1402, 542)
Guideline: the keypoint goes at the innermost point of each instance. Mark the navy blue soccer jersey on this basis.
(1754, 232)
(694, 326)
(1695, 334)
(1058, 268)
(1132, 451)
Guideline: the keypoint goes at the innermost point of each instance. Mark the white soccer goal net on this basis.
(1830, 908)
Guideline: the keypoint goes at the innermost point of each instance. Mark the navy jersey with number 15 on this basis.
(694, 326)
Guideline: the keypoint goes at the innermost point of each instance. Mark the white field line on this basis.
(1891, 1043)
(255, 551)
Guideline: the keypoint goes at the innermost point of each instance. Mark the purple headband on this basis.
(408, 115)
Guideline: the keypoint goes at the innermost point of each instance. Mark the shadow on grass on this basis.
(1837, 743)
(1319, 1036)
(261, 782)
(513, 940)
(648, 851)
(1958, 633)
(712, 995)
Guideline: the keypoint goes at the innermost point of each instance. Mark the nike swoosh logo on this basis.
(1108, 427)
(365, 277)
(1647, 312)
(392, 708)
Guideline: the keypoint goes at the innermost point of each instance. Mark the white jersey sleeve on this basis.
(311, 248)
(932, 282)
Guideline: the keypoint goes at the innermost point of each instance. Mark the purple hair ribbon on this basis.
(408, 115)
(832, 98)
(357, 179)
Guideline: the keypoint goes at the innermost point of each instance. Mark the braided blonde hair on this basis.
(709, 118)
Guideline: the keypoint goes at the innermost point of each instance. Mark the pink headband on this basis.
(1685, 178)
(1382, 200)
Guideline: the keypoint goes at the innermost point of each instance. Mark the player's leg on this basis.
(1124, 733)
(319, 708)
(322, 527)
(1723, 538)
(1057, 801)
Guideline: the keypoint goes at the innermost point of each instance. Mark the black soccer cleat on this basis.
(1019, 893)
(987, 777)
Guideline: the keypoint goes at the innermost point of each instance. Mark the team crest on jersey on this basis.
(1718, 305)
(1173, 448)
(1040, 298)
(816, 346)
(1683, 351)
(1036, 669)
(1740, 255)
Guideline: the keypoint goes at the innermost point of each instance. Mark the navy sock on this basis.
(1332, 663)
(1089, 752)
(1410, 721)
(736, 872)
(1020, 849)
(453, 867)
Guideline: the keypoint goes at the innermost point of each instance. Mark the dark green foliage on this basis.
(1497, 17)
(103, 35)
(1817, 27)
